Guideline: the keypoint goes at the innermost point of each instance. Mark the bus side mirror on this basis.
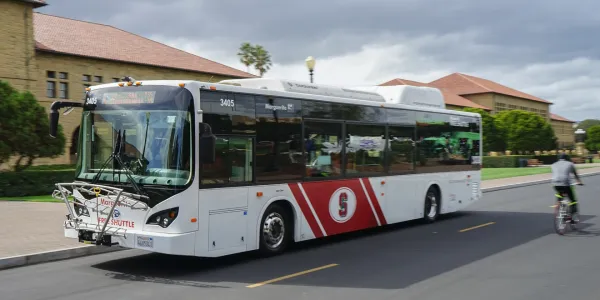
(56, 105)
(53, 123)
(207, 144)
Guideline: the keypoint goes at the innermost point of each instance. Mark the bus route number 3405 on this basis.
(227, 102)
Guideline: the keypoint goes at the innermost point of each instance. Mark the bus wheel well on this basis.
(432, 203)
(438, 190)
(289, 209)
(277, 227)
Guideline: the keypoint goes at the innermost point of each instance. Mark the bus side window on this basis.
(233, 162)
(401, 149)
(323, 146)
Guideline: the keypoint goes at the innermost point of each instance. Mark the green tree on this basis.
(493, 140)
(8, 124)
(262, 60)
(24, 129)
(525, 131)
(255, 55)
(585, 124)
(246, 55)
(592, 142)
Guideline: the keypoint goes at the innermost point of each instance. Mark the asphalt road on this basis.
(504, 247)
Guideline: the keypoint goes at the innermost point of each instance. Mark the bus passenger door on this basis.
(223, 196)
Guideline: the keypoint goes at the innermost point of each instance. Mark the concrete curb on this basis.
(54, 255)
(529, 183)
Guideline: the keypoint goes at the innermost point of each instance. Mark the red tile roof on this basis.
(73, 37)
(400, 81)
(449, 97)
(560, 118)
(462, 84)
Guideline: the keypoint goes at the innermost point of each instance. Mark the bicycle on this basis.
(562, 213)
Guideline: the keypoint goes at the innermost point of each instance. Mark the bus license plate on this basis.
(146, 242)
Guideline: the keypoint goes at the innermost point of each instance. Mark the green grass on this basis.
(43, 198)
(498, 173)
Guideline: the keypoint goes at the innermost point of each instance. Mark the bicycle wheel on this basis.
(560, 213)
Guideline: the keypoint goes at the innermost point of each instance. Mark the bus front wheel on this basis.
(275, 230)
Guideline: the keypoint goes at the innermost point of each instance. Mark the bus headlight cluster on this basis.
(164, 218)
(81, 210)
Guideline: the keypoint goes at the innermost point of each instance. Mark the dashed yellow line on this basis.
(478, 226)
(290, 276)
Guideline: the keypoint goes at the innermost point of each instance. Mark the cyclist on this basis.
(561, 180)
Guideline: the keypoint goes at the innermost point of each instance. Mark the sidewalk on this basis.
(19, 236)
(30, 227)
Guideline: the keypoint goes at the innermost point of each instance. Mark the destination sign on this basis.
(137, 97)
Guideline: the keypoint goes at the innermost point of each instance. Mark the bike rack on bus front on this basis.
(133, 201)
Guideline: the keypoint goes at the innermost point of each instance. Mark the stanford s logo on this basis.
(342, 205)
(343, 212)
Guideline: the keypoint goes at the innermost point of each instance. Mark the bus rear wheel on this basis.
(431, 208)
(275, 230)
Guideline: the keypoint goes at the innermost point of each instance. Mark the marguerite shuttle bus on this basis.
(211, 169)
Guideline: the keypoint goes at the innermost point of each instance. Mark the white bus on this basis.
(211, 169)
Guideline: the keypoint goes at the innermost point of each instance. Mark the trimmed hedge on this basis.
(512, 161)
(32, 183)
(509, 161)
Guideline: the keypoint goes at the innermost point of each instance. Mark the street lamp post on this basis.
(310, 64)
(580, 141)
(580, 135)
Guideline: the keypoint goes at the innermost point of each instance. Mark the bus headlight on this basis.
(81, 210)
(164, 218)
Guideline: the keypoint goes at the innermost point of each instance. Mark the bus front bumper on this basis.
(168, 243)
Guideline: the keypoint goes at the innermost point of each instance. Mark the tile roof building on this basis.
(57, 58)
(461, 91)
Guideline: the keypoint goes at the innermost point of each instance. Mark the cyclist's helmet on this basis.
(564, 156)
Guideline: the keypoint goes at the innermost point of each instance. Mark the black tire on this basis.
(431, 207)
(276, 216)
(557, 221)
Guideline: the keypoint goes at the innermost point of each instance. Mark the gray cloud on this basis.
(552, 29)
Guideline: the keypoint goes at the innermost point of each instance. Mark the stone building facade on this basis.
(461, 90)
(57, 58)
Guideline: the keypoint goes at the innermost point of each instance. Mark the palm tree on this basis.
(246, 55)
(262, 59)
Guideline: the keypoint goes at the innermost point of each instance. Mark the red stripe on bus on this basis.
(308, 215)
(340, 205)
(375, 200)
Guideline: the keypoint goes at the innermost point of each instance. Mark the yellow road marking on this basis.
(290, 276)
(553, 206)
(478, 226)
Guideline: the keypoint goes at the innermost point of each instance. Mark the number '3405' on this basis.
(227, 102)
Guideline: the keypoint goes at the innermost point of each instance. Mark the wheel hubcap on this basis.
(273, 230)
(432, 206)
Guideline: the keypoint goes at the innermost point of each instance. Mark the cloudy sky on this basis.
(548, 48)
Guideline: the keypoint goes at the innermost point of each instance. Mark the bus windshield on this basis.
(152, 127)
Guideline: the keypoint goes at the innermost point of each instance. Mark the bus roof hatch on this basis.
(409, 95)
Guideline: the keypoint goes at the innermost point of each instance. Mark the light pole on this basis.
(580, 141)
(580, 135)
(310, 64)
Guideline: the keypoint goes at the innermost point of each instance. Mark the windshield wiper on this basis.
(143, 161)
(116, 155)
